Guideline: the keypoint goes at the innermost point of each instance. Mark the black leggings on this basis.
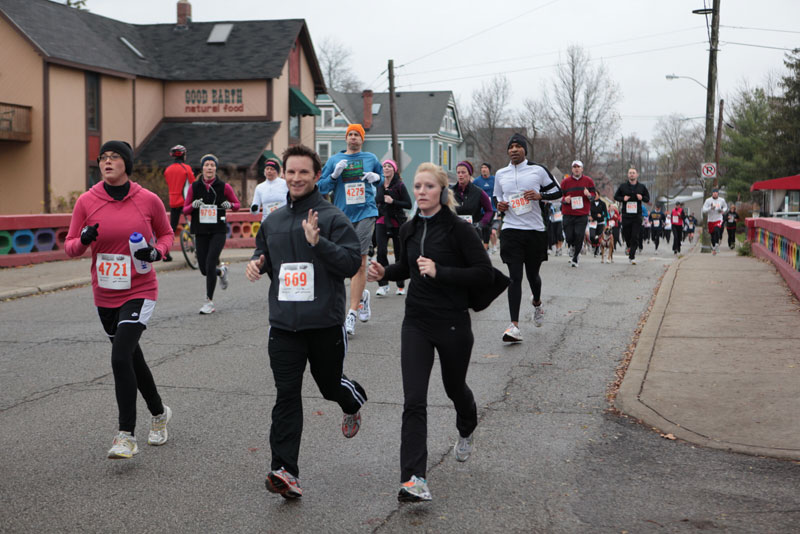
(453, 340)
(209, 247)
(175, 218)
(131, 372)
(575, 231)
(383, 236)
(515, 289)
(677, 234)
(656, 236)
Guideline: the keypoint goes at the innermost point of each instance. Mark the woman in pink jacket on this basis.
(104, 218)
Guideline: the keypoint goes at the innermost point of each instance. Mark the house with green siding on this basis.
(428, 128)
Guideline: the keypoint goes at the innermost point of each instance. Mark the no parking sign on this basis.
(709, 170)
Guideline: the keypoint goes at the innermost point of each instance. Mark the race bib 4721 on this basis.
(113, 271)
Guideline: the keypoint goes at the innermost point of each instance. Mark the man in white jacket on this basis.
(715, 207)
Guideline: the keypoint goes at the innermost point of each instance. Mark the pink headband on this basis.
(392, 163)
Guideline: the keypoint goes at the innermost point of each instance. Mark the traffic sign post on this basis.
(708, 170)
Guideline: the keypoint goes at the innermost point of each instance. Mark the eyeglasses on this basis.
(103, 157)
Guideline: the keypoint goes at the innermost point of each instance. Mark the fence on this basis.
(28, 239)
(779, 241)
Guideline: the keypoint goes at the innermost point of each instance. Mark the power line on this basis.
(552, 65)
(758, 29)
(518, 58)
(482, 31)
(757, 46)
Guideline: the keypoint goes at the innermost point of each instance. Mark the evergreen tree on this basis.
(785, 126)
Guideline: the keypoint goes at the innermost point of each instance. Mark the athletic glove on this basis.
(89, 234)
(337, 171)
(196, 203)
(148, 254)
(254, 208)
(225, 205)
(372, 177)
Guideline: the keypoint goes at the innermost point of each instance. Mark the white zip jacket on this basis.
(512, 180)
(715, 207)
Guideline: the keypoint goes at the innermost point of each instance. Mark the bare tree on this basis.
(679, 146)
(335, 62)
(581, 107)
(487, 119)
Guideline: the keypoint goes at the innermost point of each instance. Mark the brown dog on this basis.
(606, 244)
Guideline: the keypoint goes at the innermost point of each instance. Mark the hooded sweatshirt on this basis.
(140, 211)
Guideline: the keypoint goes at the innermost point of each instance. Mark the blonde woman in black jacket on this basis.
(444, 257)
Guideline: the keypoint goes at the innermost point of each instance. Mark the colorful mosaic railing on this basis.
(26, 239)
(781, 246)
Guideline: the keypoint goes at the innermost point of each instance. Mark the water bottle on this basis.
(136, 242)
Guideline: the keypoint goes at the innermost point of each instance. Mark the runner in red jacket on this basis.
(179, 178)
(104, 218)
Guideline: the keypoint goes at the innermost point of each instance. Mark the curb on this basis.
(628, 399)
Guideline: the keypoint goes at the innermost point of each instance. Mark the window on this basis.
(92, 102)
(324, 150)
(793, 198)
(294, 127)
(325, 119)
(439, 160)
(449, 120)
(470, 149)
(399, 144)
(92, 176)
(450, 156)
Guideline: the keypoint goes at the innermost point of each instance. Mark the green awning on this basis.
(300, 105)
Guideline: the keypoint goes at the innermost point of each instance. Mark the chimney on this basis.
(367, 96)
(184, 13)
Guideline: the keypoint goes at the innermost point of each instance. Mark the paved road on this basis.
(549, 457)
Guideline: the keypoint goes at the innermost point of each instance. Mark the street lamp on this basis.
(675, 77)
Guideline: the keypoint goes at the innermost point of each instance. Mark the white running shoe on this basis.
(463, 448)
(158, 427)
(123, 447)
(364, 312)
(382, 291)
(400, 291)
(538, 315)
(633, 261)
(512, 334)
(415, 490)
(208, 307)
(350, 323)
(223, 277)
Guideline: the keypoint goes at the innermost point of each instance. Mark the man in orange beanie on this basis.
(353, 176)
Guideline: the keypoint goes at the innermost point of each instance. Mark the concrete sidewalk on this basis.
(718, 361)
(29, 280)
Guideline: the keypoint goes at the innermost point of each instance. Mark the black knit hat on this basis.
(520, 140)
(123, 149)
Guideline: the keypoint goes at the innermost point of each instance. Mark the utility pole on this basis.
(393, 117)
(719, 141)
(708, 141)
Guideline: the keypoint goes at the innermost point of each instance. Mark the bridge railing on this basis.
(778, 240)
(28, 239)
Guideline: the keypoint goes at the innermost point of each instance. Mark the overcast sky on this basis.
(458, 45)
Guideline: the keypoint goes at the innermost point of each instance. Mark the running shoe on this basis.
(633, 261)
(415, 490)
(284, 483)
(463, 448)
(382, 291)
(158, 427)
(538, 316)
(400, 291)
(223, 277)
(350, 323)
(512, 334)
(558, 252)
(208, 307)
(123, 447)
(573, 263)
(364, 313)
(350, 424)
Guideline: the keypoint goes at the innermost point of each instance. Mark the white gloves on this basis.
(225, 205)
(372, 177)
(337, 171)
(196, 203)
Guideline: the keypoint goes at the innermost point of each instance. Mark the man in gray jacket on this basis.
(307, 248)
